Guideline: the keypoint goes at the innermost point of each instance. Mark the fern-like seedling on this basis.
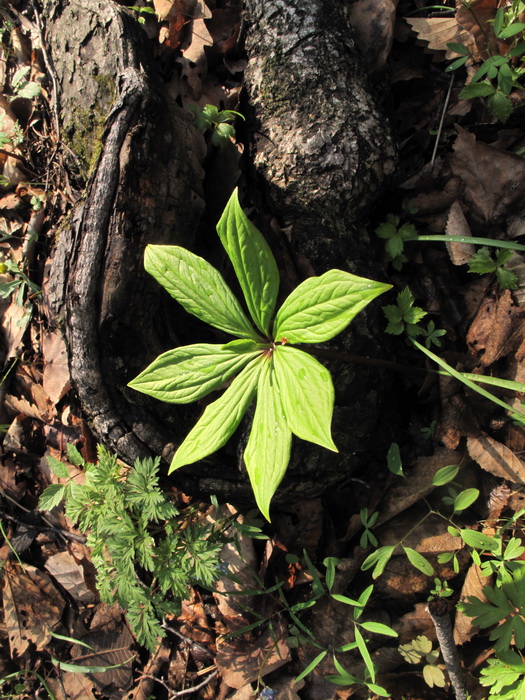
(145, 560)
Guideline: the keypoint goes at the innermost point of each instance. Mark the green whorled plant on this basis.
(295, 394)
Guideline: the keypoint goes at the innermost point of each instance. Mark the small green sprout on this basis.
(482, 263)
(395, 236)
(210, 118)
(404, 316)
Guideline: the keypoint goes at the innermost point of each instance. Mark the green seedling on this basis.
(505, 676)
(482, 263)
(403, 317)
(141, 11)
(368, 538)
(209, 118)
(419, 651)
(146, 554)
(499, 75)
(22, 87)
(395, 237)
(441, 590)
(295, 394)
(503, 610)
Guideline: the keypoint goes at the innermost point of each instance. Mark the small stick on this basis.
(438, 609)
(441, 121)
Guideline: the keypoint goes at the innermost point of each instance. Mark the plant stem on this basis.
(361, 360)
(438, 609)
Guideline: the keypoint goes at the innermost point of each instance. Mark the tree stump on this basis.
(318, 152)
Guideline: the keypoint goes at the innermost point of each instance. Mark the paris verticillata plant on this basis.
(295, 394)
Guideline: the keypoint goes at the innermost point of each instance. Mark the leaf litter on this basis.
(474, 187)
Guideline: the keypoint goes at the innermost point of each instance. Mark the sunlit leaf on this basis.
(307, 395)
(321, 307)
(252, 261)
(220, 419)
(268, 450)
(198, 287)
(188, 373)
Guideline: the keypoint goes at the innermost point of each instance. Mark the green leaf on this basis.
(456, 64)
(511, 30)
(445, 475)
(394, 246)
(321, 307)
(311, 666)
(481, 262)
(268, 450)
(507, 279)
(74, 456)
(477, 90)
(378, 628)
(220, 419)
(198, 287)
(188, 373)
(466, 379)
(419, 561)
(347, 601)
(52, 496)
(505, 79)
(433, 675)
(378, 559)
(252, 261)
(500, 106)
(361, 645)
(458, 48)
(479, 540)
(58, 468)
(307, 395)
(393, 460)
(465, 499)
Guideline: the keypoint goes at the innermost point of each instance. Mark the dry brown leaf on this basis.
(373, 25)
(56, 377)
(193, 620)
(497, 459)
(15, 319)
(241, 662)
(71, 686)
(242, 561)
(399, 497)
(32, 607)
(414, 623)
(111, 641)
(437, 32)
(494, 180)
(70, 575)
(475, 18)
(457, 225)
(167, 9)
(492, 333)
(473, 585)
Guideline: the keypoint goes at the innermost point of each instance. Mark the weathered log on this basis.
(145, 186)
(320, 152)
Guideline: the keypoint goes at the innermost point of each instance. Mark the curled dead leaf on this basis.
(494, 457)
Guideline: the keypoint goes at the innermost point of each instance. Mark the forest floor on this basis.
(439, 524)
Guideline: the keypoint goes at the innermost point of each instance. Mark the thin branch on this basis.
(438, 609)
(194, 689)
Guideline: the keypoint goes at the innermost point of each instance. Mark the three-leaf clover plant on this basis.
(295, 394)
